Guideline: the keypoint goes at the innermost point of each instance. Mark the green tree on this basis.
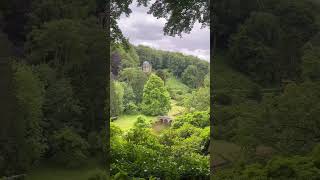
(136, 79)
(199, 100)
(116, 98)
(128, 56)
(76, 50)
(191, 76)
(128, 99)
(69, 148)
(44, 11)
(156, 98)
(289, 121)
(253, 48)
(62, 108)
(26, 142)
(298, 24)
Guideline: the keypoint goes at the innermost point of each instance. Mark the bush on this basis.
(141, 122)
(69, 148)
(197, 119)
(131, 108)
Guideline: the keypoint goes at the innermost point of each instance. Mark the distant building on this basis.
(146, 67)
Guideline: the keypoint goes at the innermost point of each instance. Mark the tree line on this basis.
(56, 58)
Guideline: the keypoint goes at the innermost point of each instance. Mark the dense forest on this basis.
(266, 90)
(53, 73)
(177, 87)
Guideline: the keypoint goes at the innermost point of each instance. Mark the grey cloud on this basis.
(143, 28)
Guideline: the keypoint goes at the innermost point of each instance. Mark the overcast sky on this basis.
(143, 28)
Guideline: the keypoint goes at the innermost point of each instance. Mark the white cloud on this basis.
(142, 28)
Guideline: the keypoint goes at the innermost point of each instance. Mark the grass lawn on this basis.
(126, 122)
(174, 85)
(52, 172)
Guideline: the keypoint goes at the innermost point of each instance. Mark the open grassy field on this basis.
(174, 84)
(126, 122)
(53, 172)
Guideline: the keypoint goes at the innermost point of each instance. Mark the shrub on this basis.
(69, 148)
(141, 122)
(197, 118)
(131, 108)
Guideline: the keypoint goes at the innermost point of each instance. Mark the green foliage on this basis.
(293, 113)
(62, 83)
(225, 124)
(311, 64)
(156, 99)
(138, 153)
(191, 76)
(229, 14)
(29, 92)
(253, 48)
(70, 47)
(69, 148)
(51, 43)
(116, 98)
(141, 122)
(163, 74)
(120, 175)
(199, 100)
(292, 167)
(176, 88)
(61, 106)
(43, 11)
(206, 81)
(197, 119)
(128, 56)
(136, 79)
(174, 62)
(129, 99)
(269, 56)
(229, 82)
